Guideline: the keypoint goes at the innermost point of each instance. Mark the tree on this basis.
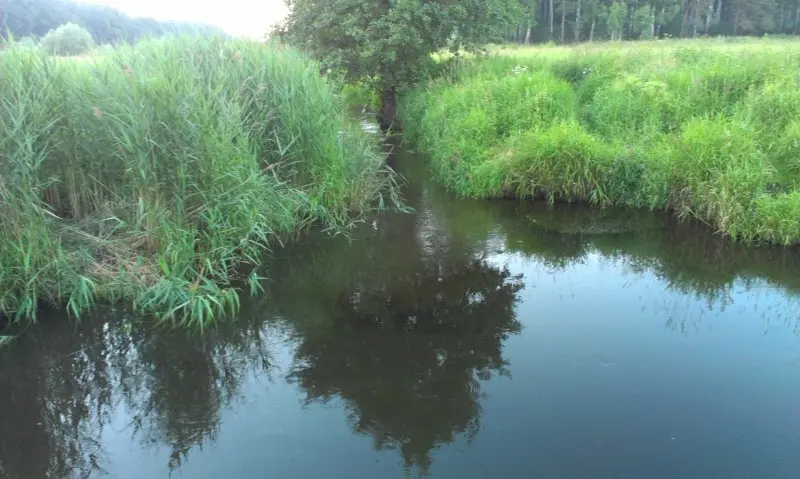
(68, 39)
(564, 8)
(389, 43)
(529, 9)
(643, 22)
(593, 11)
(615, 19)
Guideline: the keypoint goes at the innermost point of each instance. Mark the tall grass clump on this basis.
(152, 174)
(707, 129)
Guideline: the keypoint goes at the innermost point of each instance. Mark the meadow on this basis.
(708, 129)
(160, 174)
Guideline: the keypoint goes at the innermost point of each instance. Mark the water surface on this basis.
(466, 340)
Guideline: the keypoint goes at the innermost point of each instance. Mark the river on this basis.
(469, 339)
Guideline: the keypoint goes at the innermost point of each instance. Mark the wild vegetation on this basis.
(387, 46)
(68, 39)
(153, 173)
(709, 130)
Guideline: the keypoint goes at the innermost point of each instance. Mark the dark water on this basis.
(468, 340)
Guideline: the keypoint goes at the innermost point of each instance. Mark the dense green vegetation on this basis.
(34, 18)
(387, 45)
(582, 20)
(152, 173)
(68, 39)
(707, 130)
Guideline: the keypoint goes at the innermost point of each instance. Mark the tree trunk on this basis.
(578, 22)
(658, 26)
(528, 34)
(685, 21)
(388, 111)
(735, 19)
(632, 18)
(551, 19)
(563, 19)
(652, 23)
(797, 20)
(591, 30)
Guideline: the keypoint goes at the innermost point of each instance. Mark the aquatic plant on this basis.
(705, 129)
(153, 173)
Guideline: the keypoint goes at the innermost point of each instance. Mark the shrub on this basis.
(68, 39)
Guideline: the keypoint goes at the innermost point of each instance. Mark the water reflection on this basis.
(403, 327)
(62, 386)
(400, 328)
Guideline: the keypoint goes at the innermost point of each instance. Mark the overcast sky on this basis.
(238, 17)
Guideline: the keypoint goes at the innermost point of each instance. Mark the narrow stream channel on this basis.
(465, 340)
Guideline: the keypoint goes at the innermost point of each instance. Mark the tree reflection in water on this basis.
(401, 329)
(406, 357)
(61, 386)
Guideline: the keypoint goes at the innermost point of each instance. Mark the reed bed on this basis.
(155, 174)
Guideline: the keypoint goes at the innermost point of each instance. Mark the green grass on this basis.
(709, 129)
(153, 174)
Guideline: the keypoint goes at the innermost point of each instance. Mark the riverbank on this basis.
(706, 129)
(431, 334)
(152, 174)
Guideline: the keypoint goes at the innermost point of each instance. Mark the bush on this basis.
(68, 39)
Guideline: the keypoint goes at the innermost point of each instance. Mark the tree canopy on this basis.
(389, 42)
(35, 18)
(68, 39)
(580, 20)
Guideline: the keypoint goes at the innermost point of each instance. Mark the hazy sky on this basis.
(238, 17)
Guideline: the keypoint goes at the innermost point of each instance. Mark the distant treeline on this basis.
(34, 18)
(582, 20)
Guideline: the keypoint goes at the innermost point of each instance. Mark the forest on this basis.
(34, 18)
(586, 20)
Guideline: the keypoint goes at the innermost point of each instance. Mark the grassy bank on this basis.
(708, 129)
(151, 174)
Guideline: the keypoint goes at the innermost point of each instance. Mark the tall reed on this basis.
(153, 173)
(708, 129)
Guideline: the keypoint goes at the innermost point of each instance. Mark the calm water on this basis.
(467, 340)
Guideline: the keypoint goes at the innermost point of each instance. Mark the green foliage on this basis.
(360, 95)
(389, 43)
(153, 174)
(68, 39)
(707, 130)
(615, 19)
(646, 19)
